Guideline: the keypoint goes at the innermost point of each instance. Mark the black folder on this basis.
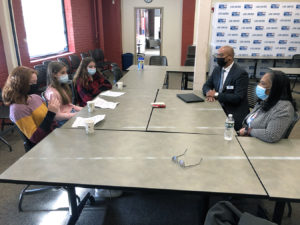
(189, 98)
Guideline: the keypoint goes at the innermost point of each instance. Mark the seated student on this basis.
(89, 82)
(28, 111)
(274, 111)
(59, 89)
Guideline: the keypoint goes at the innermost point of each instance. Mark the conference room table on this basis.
(276, 164)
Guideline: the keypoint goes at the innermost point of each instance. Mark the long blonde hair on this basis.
(17, 85)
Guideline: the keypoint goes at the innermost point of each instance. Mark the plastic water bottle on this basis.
(140, 63)
(229, 128)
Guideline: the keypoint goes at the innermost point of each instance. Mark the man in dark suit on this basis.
(228, 84)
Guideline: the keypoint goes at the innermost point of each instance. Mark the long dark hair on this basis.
(280, 90)
(82, 73)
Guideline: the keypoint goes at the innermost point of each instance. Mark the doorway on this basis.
(148, 39)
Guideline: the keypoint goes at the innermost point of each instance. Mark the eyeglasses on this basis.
(181, 162)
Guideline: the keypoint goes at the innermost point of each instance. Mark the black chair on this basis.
(98, 56)
(41, 77)
(84, 55)
(158, 60)
(75, 62)
(191, 51)
(117, 72)
(46, 63)
(66, 62)
(4, 116)
(187, 77)
(251, 94)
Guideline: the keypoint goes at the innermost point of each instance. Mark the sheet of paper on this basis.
(80, 121)
(101, 103)
(112, 93)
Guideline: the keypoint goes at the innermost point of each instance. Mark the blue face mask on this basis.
(261, 93)
(63, 79)
(91, 71)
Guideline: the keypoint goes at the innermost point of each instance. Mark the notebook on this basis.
(189, 98)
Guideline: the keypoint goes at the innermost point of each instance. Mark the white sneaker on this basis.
(106, 193)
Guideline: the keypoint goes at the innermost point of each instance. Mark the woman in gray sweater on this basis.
(274, 111)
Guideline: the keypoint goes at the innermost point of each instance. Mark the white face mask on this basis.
(91, 71)
(63, 79)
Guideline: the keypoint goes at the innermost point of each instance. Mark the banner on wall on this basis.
(257, 29)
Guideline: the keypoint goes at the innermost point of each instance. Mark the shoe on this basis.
(106, 193)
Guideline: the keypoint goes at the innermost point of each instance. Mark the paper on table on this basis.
(80, 121)
(112, 93)
(101, 103)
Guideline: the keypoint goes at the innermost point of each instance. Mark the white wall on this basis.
(171, 29)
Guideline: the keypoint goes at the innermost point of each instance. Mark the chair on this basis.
(116, 72)
(187, 77)
(75, 62)
(252, 97)
(41, 77)
(98, 56)
(66, 62)
(4, 115)
(84, 55)
(191, 51)
(158, 60)
(46, 63)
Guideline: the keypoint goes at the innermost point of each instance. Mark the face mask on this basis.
(33, 89)
(63, 79)
(221, 62)
(261, 92)
(91, 71)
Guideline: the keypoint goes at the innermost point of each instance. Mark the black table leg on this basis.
(255, 68)
(278, 212)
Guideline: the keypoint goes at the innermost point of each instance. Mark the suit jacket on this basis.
(233, 96)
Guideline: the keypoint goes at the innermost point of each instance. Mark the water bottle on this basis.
(140, 63)
(229, 128)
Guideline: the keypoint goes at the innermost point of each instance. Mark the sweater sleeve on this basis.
(279, 122)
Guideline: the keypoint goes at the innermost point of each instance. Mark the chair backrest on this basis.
(158, 60)
(289, 130)
(66, 62)
(97, 54)
(46, 63)
(41, 76)
(117, 72)
(189, 62)
(84, 55)
(75, 61)
(296, 57)
(27, 143)
(252, 98)
(191, 51)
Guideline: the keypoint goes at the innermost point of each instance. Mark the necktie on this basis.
(221, 81)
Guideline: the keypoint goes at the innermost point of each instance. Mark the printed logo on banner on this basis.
(295, 35)
(232, 41)
(280, 55)
(285, 28)
(222, 6)
(261, 13)
(234, 27)
(259, 27)
(246, 20)
(292, 49)
(287, 13)
(297, 6)
(283, 35)
(220, 34)
(256, 42)
(296, 20)
(274, 6)
(221, 20)
(270, 35)
(244, 35)
(268, 48)
(272, 20)
(235, 14)
(243, 48)
(254, 54)
(282, 42)
(248, 6)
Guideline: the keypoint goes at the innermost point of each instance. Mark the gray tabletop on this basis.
(147, 68)
(127, 159)
(178, 116)
(144, 79)
(180, 69)
(288, 71)
(276, 164)
(132, 113)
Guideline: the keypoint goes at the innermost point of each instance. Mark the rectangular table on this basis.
(132, 113)
(277, 166)
(178, 116)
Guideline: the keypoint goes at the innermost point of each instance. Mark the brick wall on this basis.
(188, 15)
(3, 67)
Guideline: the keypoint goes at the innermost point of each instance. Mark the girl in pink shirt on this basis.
(59, 88)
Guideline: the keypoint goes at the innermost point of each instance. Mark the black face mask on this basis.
(221, 62)
(33, 89)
